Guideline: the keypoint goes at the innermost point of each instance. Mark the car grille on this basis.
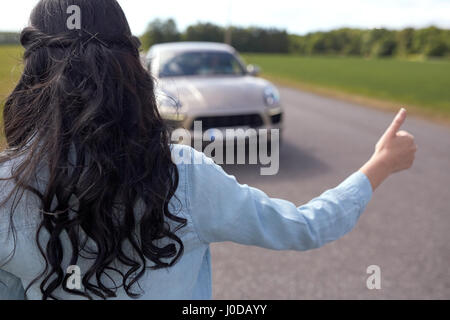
(246, 120)
(173, 124)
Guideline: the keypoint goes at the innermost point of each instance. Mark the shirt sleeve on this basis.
(224, 210)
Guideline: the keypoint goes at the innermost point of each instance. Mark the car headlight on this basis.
(166, 101)
(169, 107)
(271, 96)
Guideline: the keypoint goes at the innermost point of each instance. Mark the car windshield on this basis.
(199, 63)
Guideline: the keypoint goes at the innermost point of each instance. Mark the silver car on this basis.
(208, 83)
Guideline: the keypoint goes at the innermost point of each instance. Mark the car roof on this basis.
(191, 46)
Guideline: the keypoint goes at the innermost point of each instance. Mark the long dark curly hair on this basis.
(85, 110)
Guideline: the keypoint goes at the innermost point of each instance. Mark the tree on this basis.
(297, 44)
(405, 41)
(432, 42)
(205, 32)
(160, 31)
(385, 46)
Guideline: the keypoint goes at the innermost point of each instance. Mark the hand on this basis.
(394, 152)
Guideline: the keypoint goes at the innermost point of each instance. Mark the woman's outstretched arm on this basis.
(221, 209)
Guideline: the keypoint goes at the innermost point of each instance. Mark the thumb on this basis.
(398, 121)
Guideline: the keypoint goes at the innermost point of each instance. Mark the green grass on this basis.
(10, 70)
(425, 85)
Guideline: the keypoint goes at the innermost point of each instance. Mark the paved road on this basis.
(405, 229)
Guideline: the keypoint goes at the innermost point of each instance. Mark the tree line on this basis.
(9, 38)
(429, 42)
(253, 39)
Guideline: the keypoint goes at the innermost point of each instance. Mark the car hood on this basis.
(231, 93)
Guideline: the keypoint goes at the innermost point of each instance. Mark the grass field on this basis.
(423, 85)
(10, 70)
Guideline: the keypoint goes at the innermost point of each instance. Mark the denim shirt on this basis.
(217, 208)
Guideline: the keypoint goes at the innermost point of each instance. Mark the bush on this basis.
(384, 47)
(436, 49)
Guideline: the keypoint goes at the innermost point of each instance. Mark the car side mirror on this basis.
(253, 70)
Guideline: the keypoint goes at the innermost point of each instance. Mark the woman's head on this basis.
(85, 109)
(77, 66)
(100, 16)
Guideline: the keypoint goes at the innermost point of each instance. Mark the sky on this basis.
(296, 16)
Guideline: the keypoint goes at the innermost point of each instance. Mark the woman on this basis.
(88, 182)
